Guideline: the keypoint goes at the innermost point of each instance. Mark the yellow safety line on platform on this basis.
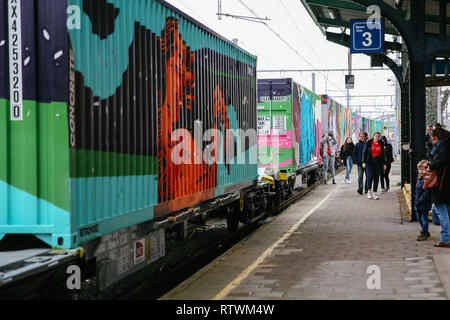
(237, 281)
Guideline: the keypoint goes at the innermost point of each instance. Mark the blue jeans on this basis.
(435, 219)
(442, 211)
(328, 162)
(422, 216)
(349, 164)
(361, 185)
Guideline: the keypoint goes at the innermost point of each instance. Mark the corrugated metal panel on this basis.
(34, 155)
(275, 110)
(310, 127)
(339, 121)
(136, 72)
(154, 76)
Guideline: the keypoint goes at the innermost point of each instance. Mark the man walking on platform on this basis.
(327, 145)
(358, 159)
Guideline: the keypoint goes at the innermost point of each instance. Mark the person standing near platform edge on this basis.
(374, 162)
(431, 152)
(440, 194)
(327, 146)
(423, 202)
(358, 159)
(346, 156)
(388, 159)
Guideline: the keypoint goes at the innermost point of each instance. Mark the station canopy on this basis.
(332, 14)
(338, 13)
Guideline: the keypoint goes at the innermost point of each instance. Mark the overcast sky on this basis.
(293, 23)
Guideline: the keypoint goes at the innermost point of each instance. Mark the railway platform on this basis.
(332, 244)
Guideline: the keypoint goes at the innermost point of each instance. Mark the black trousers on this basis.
(384, 176)
(374, 169)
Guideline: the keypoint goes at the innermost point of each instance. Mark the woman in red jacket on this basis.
(374, 161)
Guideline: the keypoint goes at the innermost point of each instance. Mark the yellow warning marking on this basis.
(237, 281)
(268, 265)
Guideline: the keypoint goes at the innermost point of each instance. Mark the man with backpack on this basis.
(327, 146)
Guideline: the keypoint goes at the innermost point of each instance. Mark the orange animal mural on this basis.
(194, 180)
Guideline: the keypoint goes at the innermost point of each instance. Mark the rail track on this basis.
(171, 278)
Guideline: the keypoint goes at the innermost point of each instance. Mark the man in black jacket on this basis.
(440, 195)
(358, 159)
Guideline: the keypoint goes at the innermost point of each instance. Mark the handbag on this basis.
(431, 180)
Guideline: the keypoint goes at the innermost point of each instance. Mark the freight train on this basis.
(122, 119)
(291, 123)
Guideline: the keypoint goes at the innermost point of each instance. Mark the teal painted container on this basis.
(112, 89)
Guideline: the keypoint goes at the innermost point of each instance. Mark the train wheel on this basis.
(252, 210)
(269, 203)
(290, 189)
(244, 216)
(311, 179)
(285, 194)
(279, 196)
(266, 202)
(232, 219)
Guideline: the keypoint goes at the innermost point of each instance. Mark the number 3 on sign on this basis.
(368, 39)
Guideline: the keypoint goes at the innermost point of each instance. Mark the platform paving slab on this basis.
(328, 256)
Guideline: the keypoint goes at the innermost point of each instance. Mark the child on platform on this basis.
(423, 202)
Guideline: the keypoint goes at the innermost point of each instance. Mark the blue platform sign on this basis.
(367, 36)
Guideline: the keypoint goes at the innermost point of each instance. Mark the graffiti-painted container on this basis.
(106, 94)
(343, 123)
(288, 118)
(339, 120)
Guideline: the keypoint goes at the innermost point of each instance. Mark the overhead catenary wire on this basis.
(245, 44)
(289, 45)
(322, 72)
(303, 36)
(273, 31)
(199, 17)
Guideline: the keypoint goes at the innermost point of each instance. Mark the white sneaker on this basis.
(369, 195)
(349, 181)
(375, 197)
